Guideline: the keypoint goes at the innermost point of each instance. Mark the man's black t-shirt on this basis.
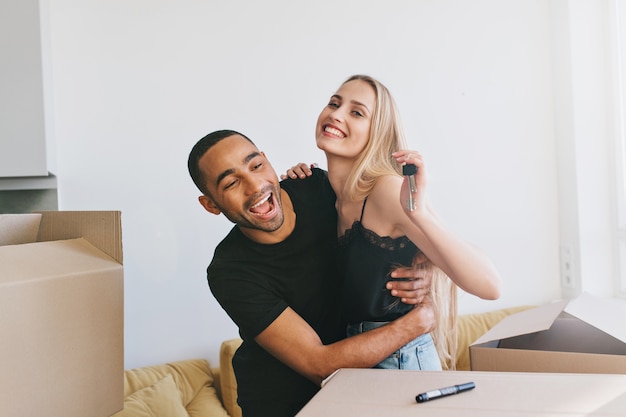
(254, 283)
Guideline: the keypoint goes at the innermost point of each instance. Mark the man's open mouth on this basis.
(264, 207)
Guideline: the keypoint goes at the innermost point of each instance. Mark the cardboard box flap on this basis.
(605, 315)
(54, 259)
(103, 229)
(524, 322)
(17, 229)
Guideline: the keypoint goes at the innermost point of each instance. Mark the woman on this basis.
(360, 132)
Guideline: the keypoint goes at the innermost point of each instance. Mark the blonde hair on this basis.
(387, 136)
(445, 335)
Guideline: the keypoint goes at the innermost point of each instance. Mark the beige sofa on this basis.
(194, 388)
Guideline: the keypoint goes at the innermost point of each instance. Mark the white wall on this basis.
(135, 83)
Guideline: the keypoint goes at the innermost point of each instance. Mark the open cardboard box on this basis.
(61, 314)
(583, 335)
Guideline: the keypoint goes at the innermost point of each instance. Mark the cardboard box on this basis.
(584, 335)
(61, 314)
(392, 392)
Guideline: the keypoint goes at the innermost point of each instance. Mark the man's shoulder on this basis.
(229, 263)
(233, 237)
(318, 177)
(232, 248)
(316, 184)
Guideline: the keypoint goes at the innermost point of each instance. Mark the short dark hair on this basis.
(202, 147)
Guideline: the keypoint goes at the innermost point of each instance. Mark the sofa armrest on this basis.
(228, 383)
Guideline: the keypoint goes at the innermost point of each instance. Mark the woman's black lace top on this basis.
(366, 261)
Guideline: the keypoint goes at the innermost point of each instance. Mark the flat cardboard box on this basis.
(61, 314)
(384, 392)
(583, 335)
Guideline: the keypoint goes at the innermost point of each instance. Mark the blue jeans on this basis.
(418, 354)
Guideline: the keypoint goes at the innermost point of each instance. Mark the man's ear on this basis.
(208, 204)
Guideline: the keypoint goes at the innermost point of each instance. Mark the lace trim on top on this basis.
(383, 242)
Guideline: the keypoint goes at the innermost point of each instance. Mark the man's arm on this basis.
(291, 340)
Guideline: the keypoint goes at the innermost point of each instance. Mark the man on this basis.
(275, 275)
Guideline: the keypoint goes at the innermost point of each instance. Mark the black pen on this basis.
(444, 392)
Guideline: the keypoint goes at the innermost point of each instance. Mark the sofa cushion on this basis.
(193, 379)
(159, 400)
